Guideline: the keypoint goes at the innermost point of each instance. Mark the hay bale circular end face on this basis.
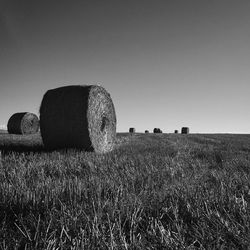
(185, 130)
(23, 123)
(80, 116)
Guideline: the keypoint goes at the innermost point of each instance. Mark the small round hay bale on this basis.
(132, 130)
(176, 131)
(156, 130)
(146, 131)
(78, 116)
(185, 130)
(23, 123)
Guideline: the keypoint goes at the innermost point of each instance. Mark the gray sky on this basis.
(165, 63)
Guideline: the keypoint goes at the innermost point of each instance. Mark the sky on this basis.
(165, 63)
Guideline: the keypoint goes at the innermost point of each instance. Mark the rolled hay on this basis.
(81, 116)
(23, 123)
(185, 130)
(131, 130)
(156, 130)
(146, 131)
(176, 131)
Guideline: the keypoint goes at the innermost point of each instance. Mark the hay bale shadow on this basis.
(21, 143)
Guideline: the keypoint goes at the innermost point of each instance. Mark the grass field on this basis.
(154, 191)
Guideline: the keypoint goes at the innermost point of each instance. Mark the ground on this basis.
(153, 191)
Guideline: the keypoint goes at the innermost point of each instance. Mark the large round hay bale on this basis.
(176, 131)
(23, 123)
(146, 131)
(80, 116)
(185, 130)
(132, 130)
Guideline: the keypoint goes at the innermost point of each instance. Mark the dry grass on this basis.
(151, 192)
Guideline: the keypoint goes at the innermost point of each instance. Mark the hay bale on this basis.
(176, 131)
(146, 131)
(157, 131)
(81, 116)
(185, 130)
(23, 123)
(132, 130)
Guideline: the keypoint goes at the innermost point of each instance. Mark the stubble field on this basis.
(154, 191)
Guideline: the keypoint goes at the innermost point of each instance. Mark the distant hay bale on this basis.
(157, 131)
(131, 130)
(185, 130)
(146, 131)
(176, 131)
(23, 123)
(81, 116)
